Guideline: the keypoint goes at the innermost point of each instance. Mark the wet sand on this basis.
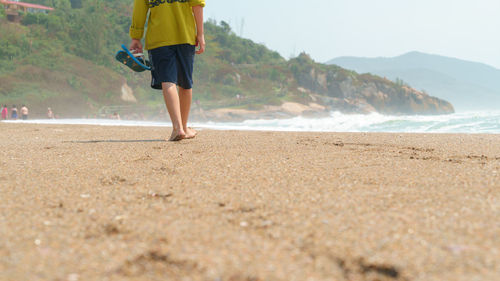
(117, 203)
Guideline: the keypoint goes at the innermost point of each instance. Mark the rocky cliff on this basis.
(346, 91)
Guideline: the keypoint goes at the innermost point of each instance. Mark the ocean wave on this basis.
(464, 122)
(470, 122)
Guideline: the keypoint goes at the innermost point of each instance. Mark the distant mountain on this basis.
(467, 85)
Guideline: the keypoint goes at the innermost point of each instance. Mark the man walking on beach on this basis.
(24, 112)
(174, 29)
(13, 112)
(50, 113)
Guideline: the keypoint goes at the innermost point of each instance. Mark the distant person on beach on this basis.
(13, 112)
(50, 114)
(24, 112)
(5, 112)
(116, 116)
(174, 30)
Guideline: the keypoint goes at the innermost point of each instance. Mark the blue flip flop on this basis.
(136, 62)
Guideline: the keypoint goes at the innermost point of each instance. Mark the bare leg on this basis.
(173, 106)
(185, 98)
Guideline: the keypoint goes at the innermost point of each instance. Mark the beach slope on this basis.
(118, 203)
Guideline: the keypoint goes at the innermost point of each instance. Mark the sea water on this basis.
(465, 122)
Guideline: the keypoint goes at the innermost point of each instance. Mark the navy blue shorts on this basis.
(172, 64)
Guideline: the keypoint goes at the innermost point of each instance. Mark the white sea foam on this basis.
(469, 122)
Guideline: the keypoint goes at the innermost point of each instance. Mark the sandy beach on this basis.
(118, 203)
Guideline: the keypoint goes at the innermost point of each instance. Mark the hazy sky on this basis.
(326, 29)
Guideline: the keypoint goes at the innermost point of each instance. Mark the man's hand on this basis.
(200, 43)
(200, 38)
(136, 46)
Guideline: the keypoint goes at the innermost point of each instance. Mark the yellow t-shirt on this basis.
(171, 22)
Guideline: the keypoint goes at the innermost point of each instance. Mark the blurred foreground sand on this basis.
(246, 205)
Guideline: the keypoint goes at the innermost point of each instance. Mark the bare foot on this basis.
(177, 135)
(190, 133)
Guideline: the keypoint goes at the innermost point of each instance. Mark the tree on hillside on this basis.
(61, 4)
(400, 82)
(225, 27)
(76, 4)
(89, 32)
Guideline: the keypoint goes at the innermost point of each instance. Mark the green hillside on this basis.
(66, 60)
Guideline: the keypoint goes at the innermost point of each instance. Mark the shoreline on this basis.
(469, 123)
(119, 203)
